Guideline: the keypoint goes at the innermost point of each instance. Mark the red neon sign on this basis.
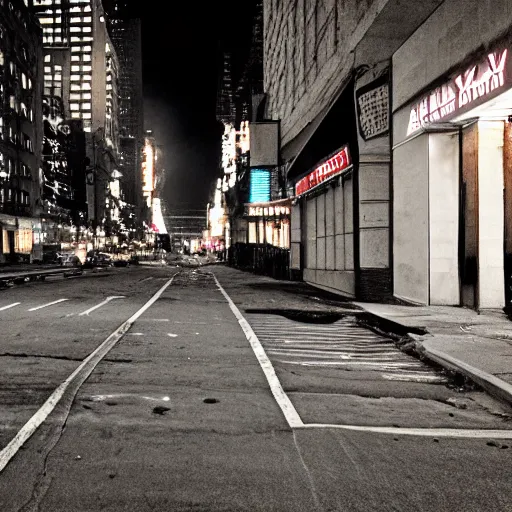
(332, 167)
(467, 89)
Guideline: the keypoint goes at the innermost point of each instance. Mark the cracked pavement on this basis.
(179, 416)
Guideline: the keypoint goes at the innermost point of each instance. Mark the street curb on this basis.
(495, 386)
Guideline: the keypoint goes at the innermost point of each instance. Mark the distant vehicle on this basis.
(98, 259)
(163, 241)
(70, 260)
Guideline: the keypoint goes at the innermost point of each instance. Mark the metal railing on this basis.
(262, 259)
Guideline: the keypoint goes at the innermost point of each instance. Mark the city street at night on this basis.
(256, 256)
(185, 412)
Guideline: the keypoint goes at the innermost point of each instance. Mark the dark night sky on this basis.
(181, 51)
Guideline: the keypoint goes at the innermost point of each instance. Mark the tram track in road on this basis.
(61, 399)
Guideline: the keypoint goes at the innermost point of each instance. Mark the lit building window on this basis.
(87, 58)
(47, 69)
(86, 95)
(74, 96)
(75, 115)
(74, 58)
(75, 68)
(47, 58)
(86, 68)
(74, 106)
(75, 87)
(75, 78)
(75, 29)
(86, 106)
(86, 115)
(86, 86)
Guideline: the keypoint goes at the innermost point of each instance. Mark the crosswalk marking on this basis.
(342, 345)
(47, 305)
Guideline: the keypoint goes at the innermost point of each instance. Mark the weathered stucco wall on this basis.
(451, 34)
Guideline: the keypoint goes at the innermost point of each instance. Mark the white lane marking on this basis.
(136, 334)
(422, 432)
(155, 320)
(172, 335)
(289, 411)
(78, 377)
(10, 306)
(49, 304)
(414, 377)
(106, 301)
(383, 364)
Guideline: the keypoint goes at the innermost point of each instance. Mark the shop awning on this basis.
(334, 126)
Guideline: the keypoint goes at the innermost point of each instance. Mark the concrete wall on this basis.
(410, 220)
(455, 30)
(374, 214)
(491, 215)
(443, 162)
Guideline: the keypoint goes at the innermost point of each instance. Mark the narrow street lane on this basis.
(179, 415)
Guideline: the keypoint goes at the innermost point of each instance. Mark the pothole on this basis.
(308, 317)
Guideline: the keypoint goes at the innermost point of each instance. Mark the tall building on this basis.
(81, 70)
(226, 112)
(125, 32)
(20, 128)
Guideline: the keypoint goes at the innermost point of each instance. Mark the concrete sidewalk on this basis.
(476, 345)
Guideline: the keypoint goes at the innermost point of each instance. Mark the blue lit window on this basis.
(260, 186)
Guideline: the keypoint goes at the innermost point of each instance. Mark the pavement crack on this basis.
(40, 356)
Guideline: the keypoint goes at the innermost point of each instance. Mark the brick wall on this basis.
(307, 54)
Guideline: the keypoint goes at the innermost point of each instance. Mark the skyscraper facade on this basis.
(125, 31)
(20, 127)
(81, 76)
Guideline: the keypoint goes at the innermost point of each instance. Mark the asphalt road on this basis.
(180, 416)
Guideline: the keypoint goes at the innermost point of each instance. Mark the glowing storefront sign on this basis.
(465, 90)
(332, 167)
(260, 211)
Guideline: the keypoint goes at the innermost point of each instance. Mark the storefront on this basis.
(17, 238)
(452, 175)
(323, 218)
(269, 223)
